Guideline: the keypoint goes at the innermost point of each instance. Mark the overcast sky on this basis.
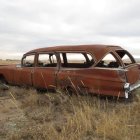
(29, 24)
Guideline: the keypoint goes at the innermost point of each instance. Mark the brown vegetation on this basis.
(8, 62)
(27, 115)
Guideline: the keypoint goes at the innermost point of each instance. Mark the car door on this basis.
(74, 70)
(45, 73)
(23, 74)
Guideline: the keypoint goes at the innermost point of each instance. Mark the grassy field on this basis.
(27, 115)
(8, 62)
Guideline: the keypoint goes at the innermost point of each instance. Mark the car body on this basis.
(99, 69)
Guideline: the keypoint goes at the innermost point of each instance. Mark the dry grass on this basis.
(26, 115)
(7, 62)
(57, 116)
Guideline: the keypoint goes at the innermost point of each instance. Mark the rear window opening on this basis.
(126, 58)
(76, 60)
(109, 61)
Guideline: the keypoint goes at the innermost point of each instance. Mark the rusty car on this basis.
(98, 69)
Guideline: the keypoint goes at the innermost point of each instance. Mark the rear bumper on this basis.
(135, 86)
(129, 88)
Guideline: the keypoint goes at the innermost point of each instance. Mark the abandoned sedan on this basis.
(97, 69)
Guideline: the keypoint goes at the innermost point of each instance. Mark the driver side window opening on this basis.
(28, 61)
(109, 61)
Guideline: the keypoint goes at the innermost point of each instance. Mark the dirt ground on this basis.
(21, 108)
(9, 114)
(26, 115)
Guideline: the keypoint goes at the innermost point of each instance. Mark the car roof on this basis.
(97, 50)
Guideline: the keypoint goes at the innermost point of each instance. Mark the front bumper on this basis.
(129, 88)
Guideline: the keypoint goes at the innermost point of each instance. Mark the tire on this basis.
(3, 84)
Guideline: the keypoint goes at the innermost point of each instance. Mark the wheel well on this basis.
(2, 78)
(70, 90)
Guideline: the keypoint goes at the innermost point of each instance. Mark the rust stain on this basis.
(100, 69)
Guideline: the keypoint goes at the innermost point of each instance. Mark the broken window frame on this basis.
(28, 64)
(106, 67)
(85, 54)
(50, 64)
(129, 56)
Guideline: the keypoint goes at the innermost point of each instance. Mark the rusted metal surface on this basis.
(93, 75)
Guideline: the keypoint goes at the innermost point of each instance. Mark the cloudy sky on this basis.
(29, 24)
